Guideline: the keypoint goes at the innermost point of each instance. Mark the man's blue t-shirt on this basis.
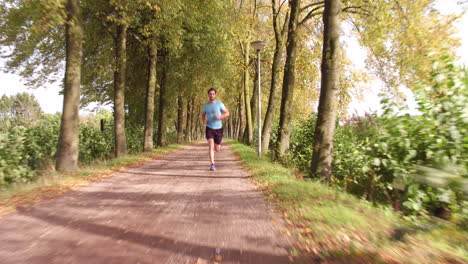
(211, 110)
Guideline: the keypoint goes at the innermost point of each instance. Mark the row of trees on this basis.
(147, 57)
(119, 52)
(21, 109)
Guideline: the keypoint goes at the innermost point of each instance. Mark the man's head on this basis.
(212, 94)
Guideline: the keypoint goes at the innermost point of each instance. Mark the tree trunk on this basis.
(275, 72)
(68, 146)
(198, 126)
(328, 103)
(180, 119)
(162, 126)
(284, 129)
(239, 128)
(248, 111)
(253, 101)
(188, 131)
(150, 89)
(119, 91)
(235, 122)
(192, 118)
(231, 126)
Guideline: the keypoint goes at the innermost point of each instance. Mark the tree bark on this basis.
(253, 100)
(68, 146)
(193, 119)
(284, 129)
(119, 91)
(162, 126)
(188, 128)
(235, 121)
(149, 111)
(239, 125)
(248, 111)
(275, 71)
(199, 126)
(180, 119)
(326, 118)
(231, 126)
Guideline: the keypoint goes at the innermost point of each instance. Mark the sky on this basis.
(51, 101)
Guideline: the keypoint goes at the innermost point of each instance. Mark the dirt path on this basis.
(170, 210)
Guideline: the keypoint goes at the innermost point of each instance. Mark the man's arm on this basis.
(224, 115)
(205, 120)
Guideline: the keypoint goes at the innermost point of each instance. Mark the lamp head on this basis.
(258, 45)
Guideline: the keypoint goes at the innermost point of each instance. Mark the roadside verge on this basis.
(52, 183)
(331, 226)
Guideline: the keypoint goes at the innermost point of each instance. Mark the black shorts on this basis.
(215, 134)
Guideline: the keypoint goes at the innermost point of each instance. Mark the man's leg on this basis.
(218, 139)
(211, 149)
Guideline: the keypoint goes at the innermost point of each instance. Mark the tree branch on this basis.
(358, 13)
(281, 5)
(284, 30)
(279, 32)
(311, 5)
(312, 13)
(360, 10)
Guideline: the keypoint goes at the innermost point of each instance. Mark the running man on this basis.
(213, 112)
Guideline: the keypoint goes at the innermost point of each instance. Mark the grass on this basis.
(52, 183)
(331, 226)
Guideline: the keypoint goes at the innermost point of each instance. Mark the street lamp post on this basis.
(258, 46)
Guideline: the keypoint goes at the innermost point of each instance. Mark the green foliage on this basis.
(350, 160)
(21, 109)
(301, 144)
(335, 226)
(437, 138)
(134, 138)
(25, 151)
(397, 32)
(41, 143)
(419, 161)
(13, 158)
(95, 144)
(33, 31)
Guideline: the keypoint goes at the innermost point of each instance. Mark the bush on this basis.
(95, 144)
(41, 140)
(437, 138)
(134, 138)
(387, 158)
(13, 157)
(302, 138)
(24, 151)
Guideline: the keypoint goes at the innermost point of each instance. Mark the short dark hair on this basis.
(211, 89)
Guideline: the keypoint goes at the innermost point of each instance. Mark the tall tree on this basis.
(254, 97)
(284, 129)
(246, 17)
(279, 29)
(188, 127)
(119, 87)
(248, 134)
(150, 90)
(180, 119)
(162, 120)
(67, 152)
(326, 117)
(294, 25)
